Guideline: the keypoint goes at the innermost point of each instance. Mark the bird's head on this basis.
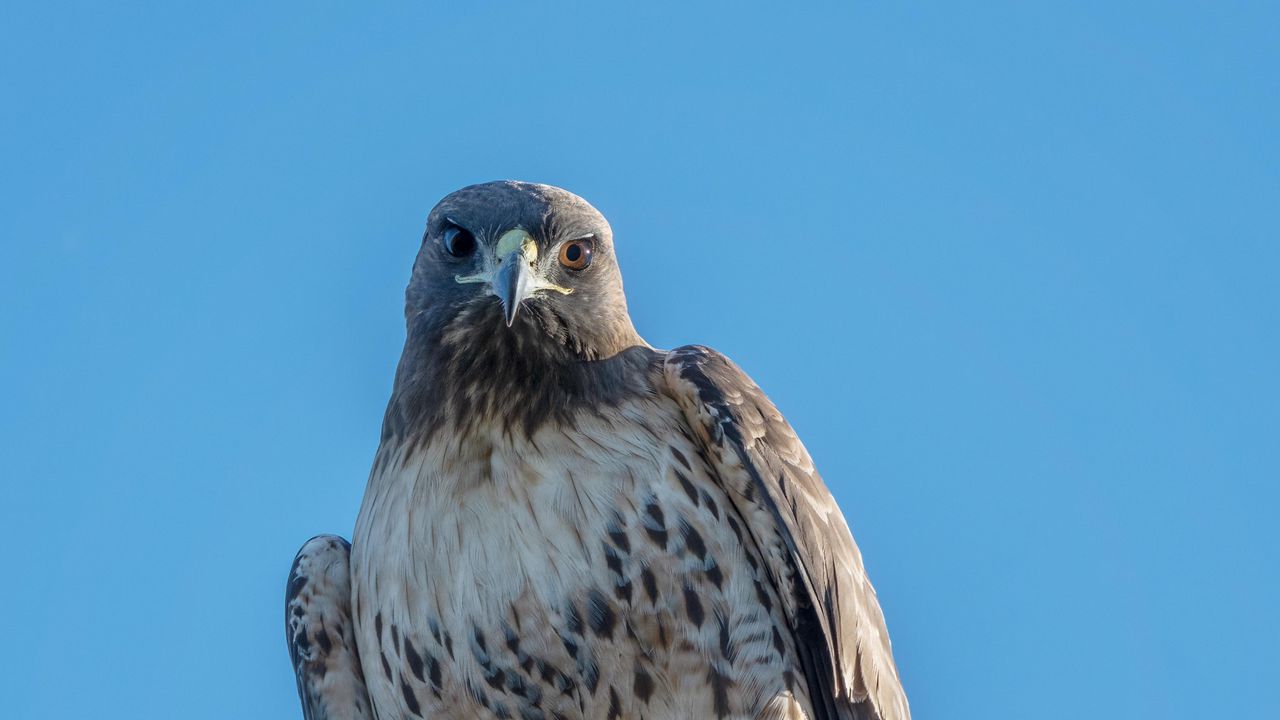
(512, 262)
(515, 315)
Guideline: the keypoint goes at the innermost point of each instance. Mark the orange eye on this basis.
(576, 254)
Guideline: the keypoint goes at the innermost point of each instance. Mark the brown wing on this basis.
(320, 635)
(811, 556)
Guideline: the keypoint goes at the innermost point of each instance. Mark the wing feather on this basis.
(810, 553)
(320, 635)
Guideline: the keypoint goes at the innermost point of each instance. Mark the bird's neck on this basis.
(478, 374)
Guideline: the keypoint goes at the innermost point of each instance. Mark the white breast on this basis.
(460, 530)
(466, 544)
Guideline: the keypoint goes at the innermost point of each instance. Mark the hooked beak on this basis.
(513, 283)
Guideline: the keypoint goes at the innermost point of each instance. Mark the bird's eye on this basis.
(576, 254)
(458, 241)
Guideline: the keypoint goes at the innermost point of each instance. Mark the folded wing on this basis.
(320, 635)
(811, 557)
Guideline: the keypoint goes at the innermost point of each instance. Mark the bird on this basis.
(565, 523)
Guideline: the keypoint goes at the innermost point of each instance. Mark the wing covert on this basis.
(810, 553)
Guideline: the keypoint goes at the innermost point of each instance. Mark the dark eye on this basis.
(575, 254)
(458, 241)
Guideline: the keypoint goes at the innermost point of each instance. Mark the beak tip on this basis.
(510, 309)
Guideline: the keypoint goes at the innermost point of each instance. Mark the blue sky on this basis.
(1010, 269)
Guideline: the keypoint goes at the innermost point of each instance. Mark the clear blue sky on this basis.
(1011, 271)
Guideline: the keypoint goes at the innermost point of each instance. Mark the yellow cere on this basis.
(517, 239)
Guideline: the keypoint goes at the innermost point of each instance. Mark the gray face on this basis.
(532, 261)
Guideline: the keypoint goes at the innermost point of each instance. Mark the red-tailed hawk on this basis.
(565, 523)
